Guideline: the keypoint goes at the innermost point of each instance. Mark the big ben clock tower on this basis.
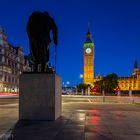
(88, 59)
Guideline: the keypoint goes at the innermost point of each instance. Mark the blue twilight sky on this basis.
(115, 27)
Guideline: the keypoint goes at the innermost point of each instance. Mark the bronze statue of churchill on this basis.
(39, 26)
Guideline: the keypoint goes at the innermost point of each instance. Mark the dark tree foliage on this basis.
(83, 87)
(108, 83)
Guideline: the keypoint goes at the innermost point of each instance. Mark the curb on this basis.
(8, 134)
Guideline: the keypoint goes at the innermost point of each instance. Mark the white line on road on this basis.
(90, 101)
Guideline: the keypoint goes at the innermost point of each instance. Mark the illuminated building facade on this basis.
(12, 64)
(88, 59)
(131, 82)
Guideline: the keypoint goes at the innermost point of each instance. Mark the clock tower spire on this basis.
(88, 59)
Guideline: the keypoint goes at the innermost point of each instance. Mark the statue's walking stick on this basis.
(55, 57)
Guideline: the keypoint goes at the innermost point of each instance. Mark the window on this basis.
(0, 77)
(9, 79)
(0, 58)
(1, 42)
(9, 62)
(13, 80)
(5, 78)
(16, 81)
(6, 60)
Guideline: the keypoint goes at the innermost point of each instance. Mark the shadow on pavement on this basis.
(61, 129)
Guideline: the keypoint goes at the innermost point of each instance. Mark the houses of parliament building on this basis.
(125, 83)
(132, 82)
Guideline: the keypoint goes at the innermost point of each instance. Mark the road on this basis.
(100, 99)
(94, 120)
(8, 101)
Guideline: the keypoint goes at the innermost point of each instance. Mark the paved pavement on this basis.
(84, 120)
(8, 114)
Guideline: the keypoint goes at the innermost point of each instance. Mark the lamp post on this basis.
(130, 95)
(68, 86)
(81, 77)
(76, 90)
(103, 93)
(88, 90)
(130, 92)
(63, 84)
(68, 82)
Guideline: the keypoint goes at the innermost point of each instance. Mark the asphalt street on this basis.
(82, 119)
(8, 101)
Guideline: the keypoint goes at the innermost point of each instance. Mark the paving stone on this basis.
(97, 129)
(127, 137)
(95, 136)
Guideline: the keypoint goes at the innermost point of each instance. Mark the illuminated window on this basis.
(85, 75)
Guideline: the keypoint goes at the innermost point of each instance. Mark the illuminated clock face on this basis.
(88, 50)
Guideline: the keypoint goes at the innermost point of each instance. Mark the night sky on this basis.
(114, 24)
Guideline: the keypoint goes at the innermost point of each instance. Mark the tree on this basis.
(83, 87)
(108, 83)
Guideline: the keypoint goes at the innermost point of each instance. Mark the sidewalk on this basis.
(8, 114)
(84, 122)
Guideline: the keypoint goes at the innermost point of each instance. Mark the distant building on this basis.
(12, 64)
(127, 83)
(131, 82)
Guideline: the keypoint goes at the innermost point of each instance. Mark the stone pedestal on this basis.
(40, 96)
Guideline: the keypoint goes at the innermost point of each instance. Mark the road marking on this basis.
(90, 101)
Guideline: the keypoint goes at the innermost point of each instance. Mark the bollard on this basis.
(103, 92)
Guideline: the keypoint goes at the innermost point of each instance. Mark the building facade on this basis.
(88, 76)
(131, 82)
(12, 64)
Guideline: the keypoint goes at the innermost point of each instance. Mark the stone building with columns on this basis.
(12, 64)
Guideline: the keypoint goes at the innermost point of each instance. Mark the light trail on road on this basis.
(8, 105)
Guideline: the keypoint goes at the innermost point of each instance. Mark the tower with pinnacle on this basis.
(88, 59)
(136, 69)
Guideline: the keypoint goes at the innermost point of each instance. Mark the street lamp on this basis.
(63, 84)
(68, 86)
(81, 77)
(68, 82)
